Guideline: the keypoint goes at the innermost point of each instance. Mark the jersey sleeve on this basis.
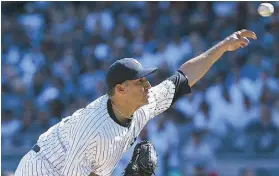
(166, 93)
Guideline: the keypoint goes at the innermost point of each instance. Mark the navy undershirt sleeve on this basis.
(181, 85)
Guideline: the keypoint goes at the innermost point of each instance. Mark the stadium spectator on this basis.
(197, 151)
(264, 131)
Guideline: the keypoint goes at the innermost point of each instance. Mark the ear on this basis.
(120, 89)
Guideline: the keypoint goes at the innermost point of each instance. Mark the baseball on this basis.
(265, 9)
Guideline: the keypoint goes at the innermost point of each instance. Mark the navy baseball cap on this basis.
(126, 69)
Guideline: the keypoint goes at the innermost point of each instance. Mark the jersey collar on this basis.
(112, 115)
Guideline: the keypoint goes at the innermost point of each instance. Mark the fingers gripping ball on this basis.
(144, 160)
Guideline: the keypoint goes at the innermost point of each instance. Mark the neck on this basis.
(122, 110)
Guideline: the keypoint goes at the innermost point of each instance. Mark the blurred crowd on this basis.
(55, 56)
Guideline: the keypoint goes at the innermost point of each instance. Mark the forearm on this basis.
(196, 68)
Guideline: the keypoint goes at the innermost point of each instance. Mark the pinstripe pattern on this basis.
(90, 140)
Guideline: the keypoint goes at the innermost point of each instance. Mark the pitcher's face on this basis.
(137, 91)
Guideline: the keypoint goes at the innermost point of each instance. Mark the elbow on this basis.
(188, 75)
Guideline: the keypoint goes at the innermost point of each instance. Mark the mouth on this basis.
(146, 95)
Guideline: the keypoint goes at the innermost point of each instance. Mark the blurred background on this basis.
(55, 56)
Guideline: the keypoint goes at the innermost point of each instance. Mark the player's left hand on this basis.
(239, 39)
(144, 160)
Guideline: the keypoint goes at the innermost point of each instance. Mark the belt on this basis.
(36, 148)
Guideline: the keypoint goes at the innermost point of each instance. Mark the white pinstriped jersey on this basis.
(91, 140)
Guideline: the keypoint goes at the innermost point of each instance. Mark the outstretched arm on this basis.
(196, 68)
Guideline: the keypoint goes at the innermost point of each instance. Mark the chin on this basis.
(146, 101)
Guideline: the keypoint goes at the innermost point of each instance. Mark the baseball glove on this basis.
(144, 160)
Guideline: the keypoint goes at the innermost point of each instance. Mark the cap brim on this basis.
(145, 72)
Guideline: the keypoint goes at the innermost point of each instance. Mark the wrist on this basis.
(223, 45)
